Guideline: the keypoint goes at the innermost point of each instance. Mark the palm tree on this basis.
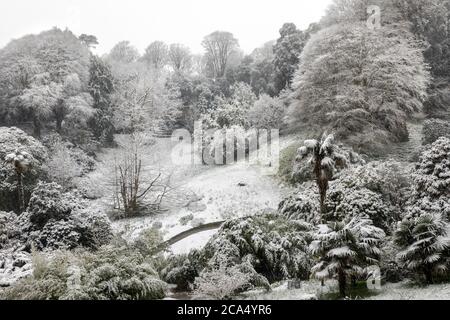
(21, 161)
(324, 159)
(345, 248)
(424, 244)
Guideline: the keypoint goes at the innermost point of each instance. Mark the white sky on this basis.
(253, 22)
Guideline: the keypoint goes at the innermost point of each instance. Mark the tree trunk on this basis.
(428, 275)
(342, 283)
(20, 192)
(353, 281)
(322, 183)
(59, 121)
(36, 128)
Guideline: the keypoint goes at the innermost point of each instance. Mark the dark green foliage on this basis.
(362, 88)
(101, 87)
(287, 52)
(424, 243)
(438, 103)
(182, 270)
(342, 202)
(274, 246)
(345, 248)
(58, 220)
(287, 158)
(423, 235)
(112, 273)
(433, 129)
(432, 173)
(8, 228)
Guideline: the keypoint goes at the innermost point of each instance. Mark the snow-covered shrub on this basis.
(149, 242)
(273, 245)
(8, 228)
(267, 113)
(58, 220)
(345, 248)
(110, 273)
(433, 129)
(424, 243)
(186, 219)
(67, 162)
(303, 205)
(326, 159)
(182, 270)
(287, 158)
(234, 111)
(390, 179)
(223, 283)
(13, 141)
(392, 270)
(346, 203)
(342, 201)
(432, 175)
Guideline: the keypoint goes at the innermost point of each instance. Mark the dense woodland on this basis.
(351, 98)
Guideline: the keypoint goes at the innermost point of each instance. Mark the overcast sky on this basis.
(253, 22)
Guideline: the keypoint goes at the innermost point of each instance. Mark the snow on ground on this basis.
(218, 196)
(203, 194)
(311, 290)
(307, 290)
(407, 291)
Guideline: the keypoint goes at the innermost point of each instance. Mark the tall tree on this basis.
(180, 57)
(345, 248)
(34, 69)
(219, 46)
(101, 88)
(360, 83)
(39, 100)
(88, 40)
(124, 52)
(287, 52)
(156, 54)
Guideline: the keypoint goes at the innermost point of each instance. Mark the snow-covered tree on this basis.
(110, 273)
(342, 202)
(219, 47)
(101, 89)
(222, 283)
(303, 205)
(325, 159)
(432, 175)
(21, 160)
(360, 83)
(180, 57)
(287, 52)
(424, 242)
(345, 248)
(39, 101)
(33, 71)
(156, 55)
(234, 111)
(267, 113)
(277, 248)
(124, 52)
(433, 129)
(58, 220)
